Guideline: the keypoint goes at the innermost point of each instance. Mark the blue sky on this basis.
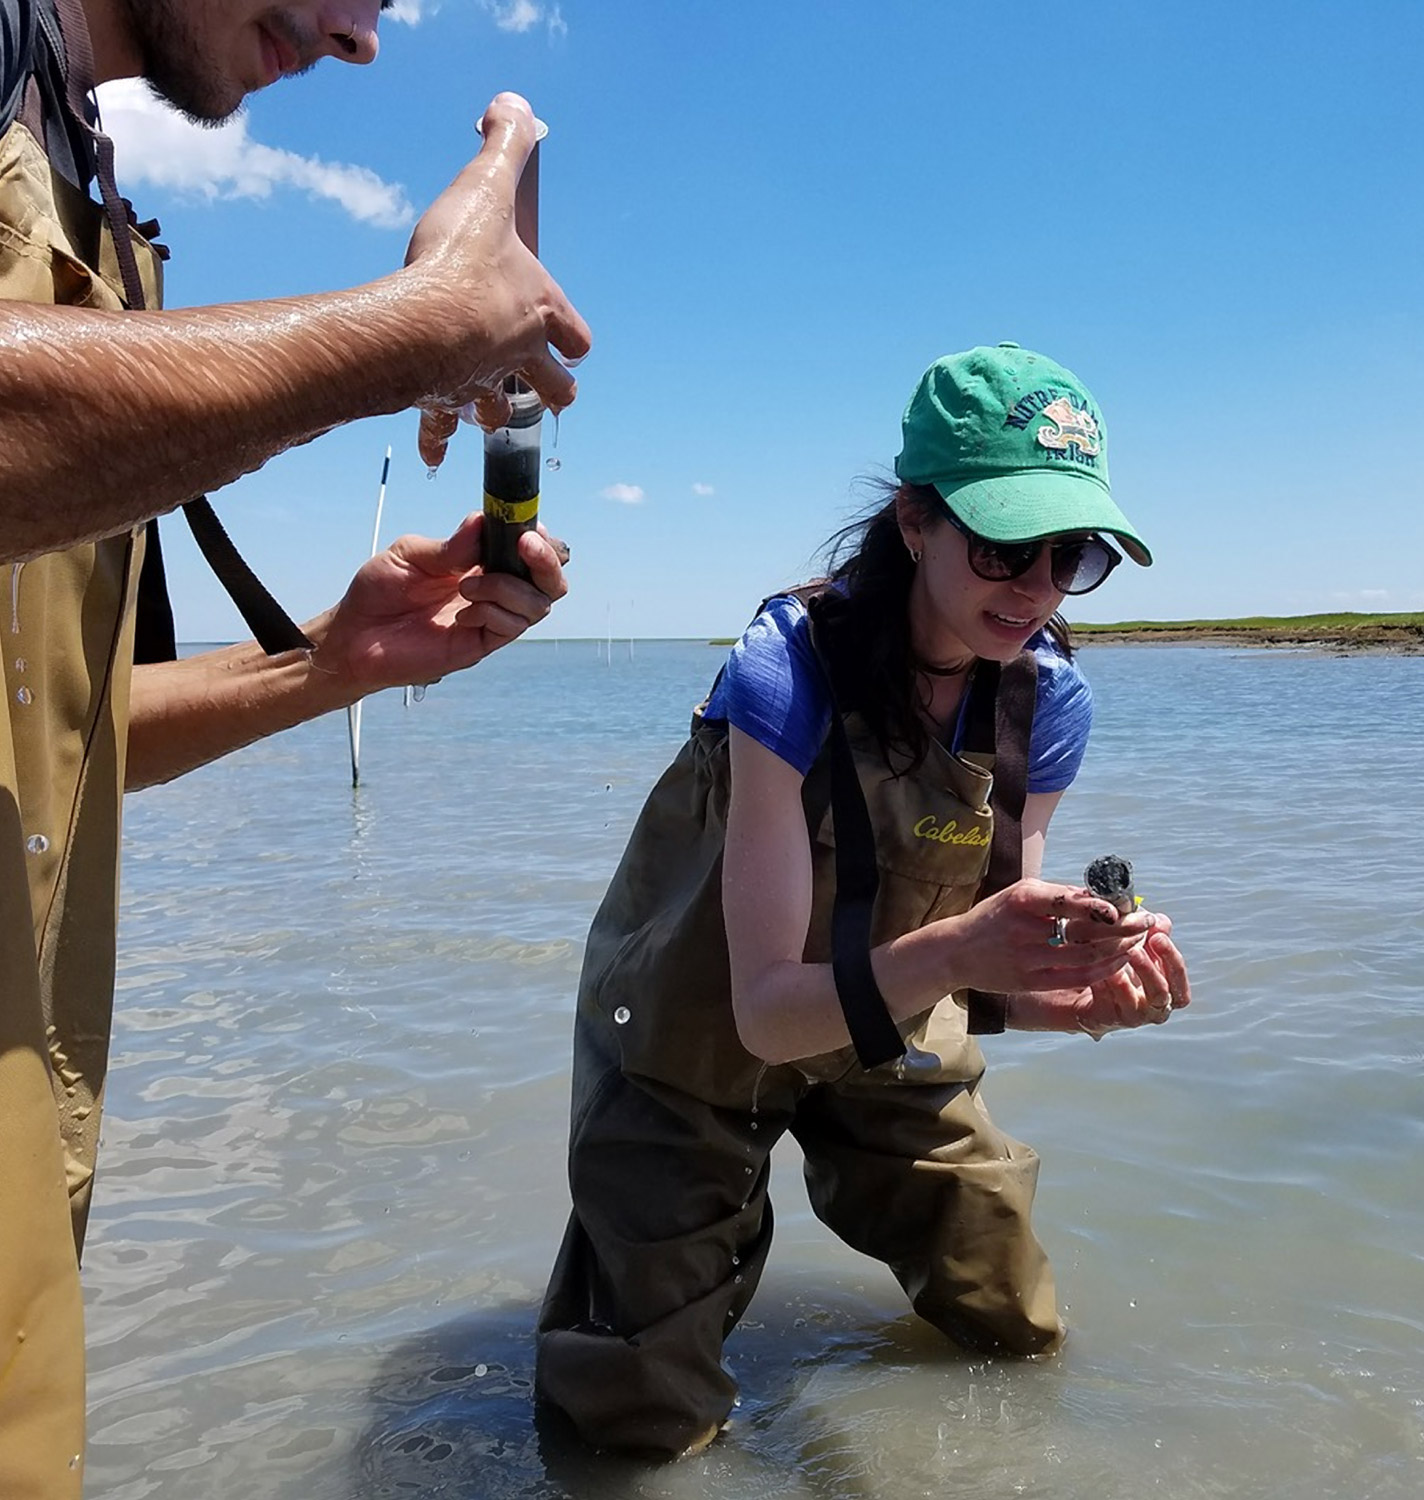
(775, 215)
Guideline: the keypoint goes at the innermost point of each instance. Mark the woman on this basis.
(820, 903)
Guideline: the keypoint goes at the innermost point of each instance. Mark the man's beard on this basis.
(173, 64)
(176, 67)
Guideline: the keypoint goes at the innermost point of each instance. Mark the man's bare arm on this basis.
(107, 419)
(415, 613)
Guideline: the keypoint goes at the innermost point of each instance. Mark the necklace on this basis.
(933, 671)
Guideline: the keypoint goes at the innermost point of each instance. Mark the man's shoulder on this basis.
(32, 46)
(16, 15)
(19, 37)
(19, 31)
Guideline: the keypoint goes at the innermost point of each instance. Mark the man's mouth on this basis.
(279, 54)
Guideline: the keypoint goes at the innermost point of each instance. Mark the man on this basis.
(109, 417)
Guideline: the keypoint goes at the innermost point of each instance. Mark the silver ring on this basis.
(1059, 936)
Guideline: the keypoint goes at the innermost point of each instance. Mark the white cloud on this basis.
(624, 494)
(1360, 596)
(703, 489)
(508, 15)
(515, 15)
(157, 145)
(525, 15)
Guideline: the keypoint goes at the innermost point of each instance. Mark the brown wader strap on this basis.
(271, 626)
(1014, 704)
(31, 114)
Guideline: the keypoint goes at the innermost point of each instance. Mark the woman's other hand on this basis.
(1147, 990)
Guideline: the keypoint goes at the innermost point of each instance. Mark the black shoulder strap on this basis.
(873, 1033)
(155, 638)
(1000, 719)
(273, 629)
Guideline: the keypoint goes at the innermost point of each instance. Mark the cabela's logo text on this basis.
(930, 827)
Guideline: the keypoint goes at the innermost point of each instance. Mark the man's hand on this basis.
(423, 608)
(413, 613)
(499, 308)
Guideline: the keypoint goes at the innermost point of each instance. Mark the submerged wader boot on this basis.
(674, 1121)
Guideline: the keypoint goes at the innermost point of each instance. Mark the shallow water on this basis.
(332, 1174)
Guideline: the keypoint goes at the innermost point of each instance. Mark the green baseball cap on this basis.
(1016, 447)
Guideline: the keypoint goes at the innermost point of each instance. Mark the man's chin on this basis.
(208, 109)
(217, 121)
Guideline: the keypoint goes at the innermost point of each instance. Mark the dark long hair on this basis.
(866, 618)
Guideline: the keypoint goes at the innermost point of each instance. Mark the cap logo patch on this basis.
(1074, 427)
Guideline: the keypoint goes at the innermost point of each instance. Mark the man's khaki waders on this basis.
(66, 629)
(674, 1121)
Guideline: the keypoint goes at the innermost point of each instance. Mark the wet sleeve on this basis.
(771, 688)
(17, 40)
(1062, 721)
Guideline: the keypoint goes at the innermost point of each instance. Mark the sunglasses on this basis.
(1076, 567)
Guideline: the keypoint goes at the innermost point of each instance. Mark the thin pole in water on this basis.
(353, 714)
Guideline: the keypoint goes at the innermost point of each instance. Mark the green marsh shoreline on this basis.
(1346, 634)
(1342, 634)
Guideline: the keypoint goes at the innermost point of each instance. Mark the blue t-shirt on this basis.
(772, 690)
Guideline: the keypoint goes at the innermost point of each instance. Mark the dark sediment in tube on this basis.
(1110, 876)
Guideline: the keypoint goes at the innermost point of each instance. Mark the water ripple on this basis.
(332, 1179)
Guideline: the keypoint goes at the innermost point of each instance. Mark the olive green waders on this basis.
(673, 1120)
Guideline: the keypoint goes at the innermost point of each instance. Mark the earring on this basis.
(915, 554)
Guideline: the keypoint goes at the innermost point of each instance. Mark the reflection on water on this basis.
(331, 1181)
